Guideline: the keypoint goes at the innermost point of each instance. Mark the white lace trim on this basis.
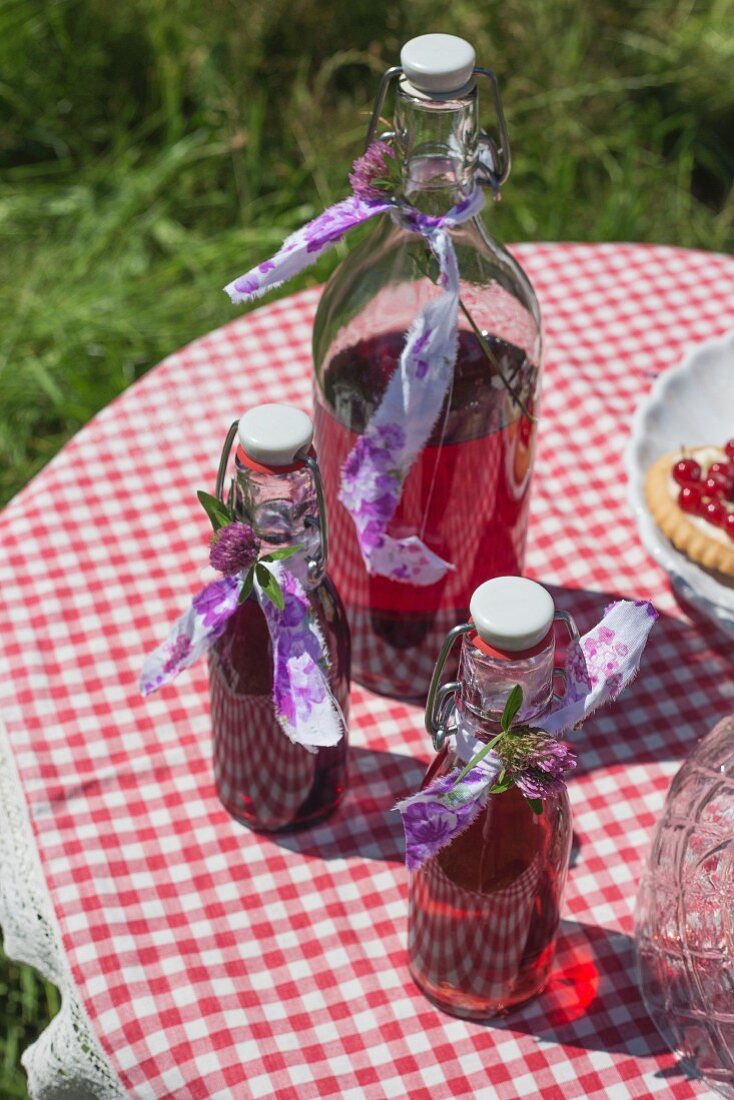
(66, 1062)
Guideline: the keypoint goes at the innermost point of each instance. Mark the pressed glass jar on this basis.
(467, 494)
(684, 922)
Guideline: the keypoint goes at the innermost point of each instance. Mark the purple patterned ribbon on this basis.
(305, 706)
(598, 667)
(375, 471)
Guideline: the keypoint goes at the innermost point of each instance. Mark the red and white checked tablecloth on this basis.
(215, 963)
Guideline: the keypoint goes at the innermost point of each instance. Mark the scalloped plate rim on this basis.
(699, 588)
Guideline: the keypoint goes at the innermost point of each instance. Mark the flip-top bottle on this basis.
(466, 495)
(484, 909)
(262, 778)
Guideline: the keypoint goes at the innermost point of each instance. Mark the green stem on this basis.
(491, 358)
(478, 757)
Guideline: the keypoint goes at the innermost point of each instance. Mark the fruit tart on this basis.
(690, 494)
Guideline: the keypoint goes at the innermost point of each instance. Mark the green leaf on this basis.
(280, 555)
(476, 758)
(219, 514)
(247, 586)
(536, 805)
(501, 786)
(512, 706)
(270, 586)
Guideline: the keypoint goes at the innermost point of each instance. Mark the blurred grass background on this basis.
(150, 151)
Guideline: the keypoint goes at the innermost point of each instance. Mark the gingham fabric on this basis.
(216, 963)
(467, 941)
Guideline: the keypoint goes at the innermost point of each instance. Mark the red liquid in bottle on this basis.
(466, 497)
(484, 911)
(262, 778)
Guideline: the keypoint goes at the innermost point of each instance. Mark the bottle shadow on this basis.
(592, 1001)
(365, 824)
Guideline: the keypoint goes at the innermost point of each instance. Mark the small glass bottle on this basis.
(467, 494)
(262, 778)
(484, 910)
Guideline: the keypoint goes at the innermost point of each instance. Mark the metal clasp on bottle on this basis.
(440, 702)
(317, 564)
(495, 157)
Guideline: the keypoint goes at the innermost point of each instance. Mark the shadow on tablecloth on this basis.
(365, 824)
(592, 1001)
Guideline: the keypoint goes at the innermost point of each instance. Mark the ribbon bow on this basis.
(375, 470)
(304, 704)
(598, 667)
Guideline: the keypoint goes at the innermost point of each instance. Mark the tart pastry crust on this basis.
(685, 535)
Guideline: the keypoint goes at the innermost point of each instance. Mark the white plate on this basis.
(689, 405)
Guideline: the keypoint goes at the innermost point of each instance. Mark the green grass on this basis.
(149, 151)
(27, 1003)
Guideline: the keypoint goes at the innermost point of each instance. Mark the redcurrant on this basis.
(715, 512)
(686, 471)
(690, 498)
(716, 485)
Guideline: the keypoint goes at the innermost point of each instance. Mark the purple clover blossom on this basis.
(553, 757)
(535, 761)
(537, 784)
(370, 175)
(233, 548)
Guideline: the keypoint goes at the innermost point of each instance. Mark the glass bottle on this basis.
(484, 910)
(684, 923)
(262, 778)
(467, 494)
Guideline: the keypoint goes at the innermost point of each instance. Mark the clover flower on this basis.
(535, 761)
(233, 548)
(372, 175)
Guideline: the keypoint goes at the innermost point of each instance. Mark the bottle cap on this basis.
(512, 613)
(274, 434)
(438, 64)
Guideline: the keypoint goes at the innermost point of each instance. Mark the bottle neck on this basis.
(486, 681)
(280, 505)
(437, 144)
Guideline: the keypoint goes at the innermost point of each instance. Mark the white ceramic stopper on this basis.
(439, 64)
(274, 434)
(512, 613)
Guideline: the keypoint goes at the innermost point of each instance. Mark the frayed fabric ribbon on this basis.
(598, 667)
(304, 704)
(375, 470)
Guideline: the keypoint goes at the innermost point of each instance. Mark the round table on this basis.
(198, 960)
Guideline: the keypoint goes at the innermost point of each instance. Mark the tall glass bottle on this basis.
(262, 778)
(467, 494)
(484, 910)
